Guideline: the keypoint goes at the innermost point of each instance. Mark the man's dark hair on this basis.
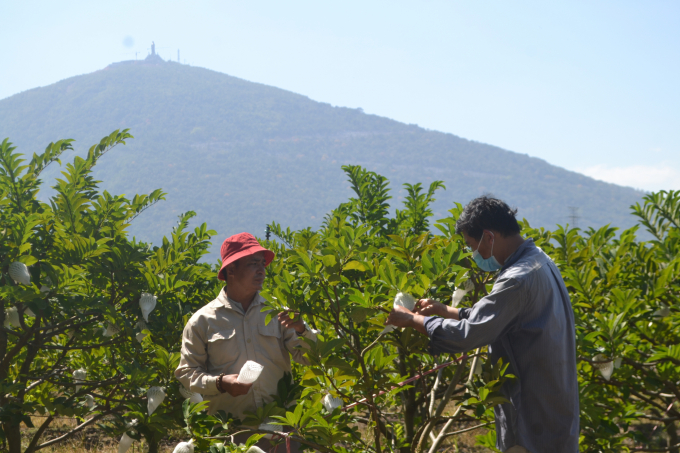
(486, 213)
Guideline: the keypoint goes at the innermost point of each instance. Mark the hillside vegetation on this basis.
(242, 154)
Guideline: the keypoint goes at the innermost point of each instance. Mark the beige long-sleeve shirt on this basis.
(220, 338)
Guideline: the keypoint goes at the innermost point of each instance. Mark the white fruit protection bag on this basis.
(401, 300)
(249, 372)
(331, 402)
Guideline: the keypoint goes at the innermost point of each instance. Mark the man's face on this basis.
(483, 245)
(249, 272)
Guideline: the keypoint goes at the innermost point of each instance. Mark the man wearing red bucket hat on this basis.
(229, 331)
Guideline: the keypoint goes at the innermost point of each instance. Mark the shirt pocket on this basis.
(270, 347)
(269, 330)
(223, 349)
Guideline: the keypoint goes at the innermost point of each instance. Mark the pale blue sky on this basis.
(591, 86)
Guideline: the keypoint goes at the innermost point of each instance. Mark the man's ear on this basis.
(230, 269)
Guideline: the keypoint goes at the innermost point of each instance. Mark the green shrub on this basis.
(78, 311)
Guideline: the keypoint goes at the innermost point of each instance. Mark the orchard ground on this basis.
(93, 440)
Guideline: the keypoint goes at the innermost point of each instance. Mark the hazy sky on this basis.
(592, 86)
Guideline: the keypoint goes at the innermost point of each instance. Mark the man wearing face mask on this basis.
(526, 320)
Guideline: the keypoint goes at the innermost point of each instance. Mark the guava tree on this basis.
(70, 285)
(625, 295)
(343, 280)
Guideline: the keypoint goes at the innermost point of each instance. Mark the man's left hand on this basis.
(297, 323)
(403, 317)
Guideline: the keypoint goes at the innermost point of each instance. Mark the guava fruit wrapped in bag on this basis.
(155, 396)
(184, 447)
(125, 443)
(604, 365)
(12, 317)
(401, 300)
(19, 273)
(331, 403)
(194, 398)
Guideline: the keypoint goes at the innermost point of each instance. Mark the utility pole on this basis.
(573, 216)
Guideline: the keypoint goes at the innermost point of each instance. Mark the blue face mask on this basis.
(489, 264)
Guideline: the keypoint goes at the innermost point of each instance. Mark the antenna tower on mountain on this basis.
(573, 216)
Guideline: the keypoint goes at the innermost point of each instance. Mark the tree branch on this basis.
(472, 428)
(672, 447)
(78, 428)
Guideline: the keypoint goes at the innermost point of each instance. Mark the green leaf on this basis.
(354, 265)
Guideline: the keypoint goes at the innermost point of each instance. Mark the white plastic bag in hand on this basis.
(401, 300)
(405, 300)
(249, 372)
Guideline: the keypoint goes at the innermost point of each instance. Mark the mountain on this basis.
(243, 154)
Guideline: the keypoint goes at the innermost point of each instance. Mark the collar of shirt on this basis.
(517, 254)
(231, 304)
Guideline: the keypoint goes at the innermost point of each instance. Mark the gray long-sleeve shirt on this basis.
(528, 321)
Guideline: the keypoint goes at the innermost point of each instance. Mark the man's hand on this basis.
(297, 323)
(430, 307)
(231, 385)
(403, 317)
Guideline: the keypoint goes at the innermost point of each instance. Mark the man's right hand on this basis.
(430, 307)
(233, 387)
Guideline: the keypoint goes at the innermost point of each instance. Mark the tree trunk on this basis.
(13, 434)
(153, 447)
(154, 442)
(409, 405)
(672, 436)
(409, 418)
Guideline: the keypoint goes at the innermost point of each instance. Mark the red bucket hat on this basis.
(238, 246)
